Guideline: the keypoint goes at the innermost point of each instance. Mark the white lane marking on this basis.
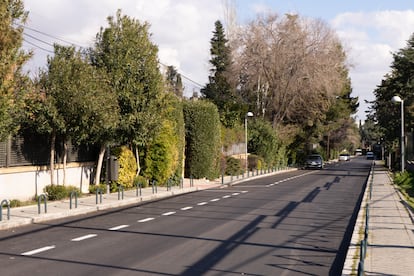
(243, 192)
(168, 213)
(226, 196)
(187, 208)
(84, 237)
(35, 251)
(118, 227)
(215, 199)
(146, 219)
(235, 194)
(202, 203)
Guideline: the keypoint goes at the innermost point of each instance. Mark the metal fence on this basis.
(34, 150)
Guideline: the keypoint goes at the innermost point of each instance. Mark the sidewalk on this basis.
(390, 247)
(20, 216)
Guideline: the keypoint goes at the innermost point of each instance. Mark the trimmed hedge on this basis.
(202, 136)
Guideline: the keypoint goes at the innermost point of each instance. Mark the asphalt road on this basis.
(296, 223)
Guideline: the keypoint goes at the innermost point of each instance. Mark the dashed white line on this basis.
(187, 208)
(118, 227)
(168, 213)
(226, 196)
(235, 194)
(35, 251)
(146, 219)
(84, 237)
(243, 192)
(202, 203)
(215, 199)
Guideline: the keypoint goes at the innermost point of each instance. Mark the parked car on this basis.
(344, 157)
(370, 155)
(314, 161)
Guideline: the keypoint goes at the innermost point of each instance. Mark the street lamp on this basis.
(397, 99)
(248, 114)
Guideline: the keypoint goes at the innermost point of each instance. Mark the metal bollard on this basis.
(139, 189)
(98, 191)
(120, 190)
(39, 199)
(72, 194)
(5, 201)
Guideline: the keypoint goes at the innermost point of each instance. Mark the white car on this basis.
(344, 157)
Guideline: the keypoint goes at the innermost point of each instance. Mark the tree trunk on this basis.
(65, 158)
(52, 158)
(99, 165)
(137, 157)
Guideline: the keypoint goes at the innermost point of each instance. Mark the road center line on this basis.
(235, 194)
(35, 251)
(84, 237)
(187, 208)
(146, 219)
(215, 199)
(226, 196)
(118, 227)
(168, 213)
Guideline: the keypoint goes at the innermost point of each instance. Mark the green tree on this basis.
(219, 89)
(174, 81)
(125, 51)
(73, 102)
(202, 136)
(12, 18)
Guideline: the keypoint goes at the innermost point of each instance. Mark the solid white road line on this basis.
(187, 208)
(84, 237)
(168, 213)
(118, 227)
(146, 219)
(32, 252)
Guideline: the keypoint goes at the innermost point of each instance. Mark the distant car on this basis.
(370, 155)
(314, 161)
(344, 157)
(358, 152)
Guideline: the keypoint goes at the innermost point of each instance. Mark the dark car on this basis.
(314, 161)
(370, 155)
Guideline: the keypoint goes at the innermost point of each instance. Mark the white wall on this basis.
(23, 183)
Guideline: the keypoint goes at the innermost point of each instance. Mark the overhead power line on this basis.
(74, 44)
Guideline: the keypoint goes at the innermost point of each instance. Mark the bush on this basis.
(406, 182)
(203, 145)
(102, 186)
(127, 166)
(233, 166)
(58, 192)
(142, 180)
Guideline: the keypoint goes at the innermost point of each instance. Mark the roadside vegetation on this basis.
(291, 72)
(405, 182)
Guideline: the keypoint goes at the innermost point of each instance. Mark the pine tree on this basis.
(219, 89)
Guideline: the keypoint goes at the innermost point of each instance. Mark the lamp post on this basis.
(397, 99)
(248, 114)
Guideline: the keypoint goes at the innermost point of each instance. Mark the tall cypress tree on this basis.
(219, 89)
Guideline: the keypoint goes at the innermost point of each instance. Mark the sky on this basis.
(370, 31)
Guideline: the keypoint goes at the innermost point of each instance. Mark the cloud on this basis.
(181, 29)
(371, 39)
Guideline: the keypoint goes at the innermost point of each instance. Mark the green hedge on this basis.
(202, 136)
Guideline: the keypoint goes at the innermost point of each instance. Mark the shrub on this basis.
(202, 138)
(58, 192)
(142, 180)
(127, 166)
(233, 166)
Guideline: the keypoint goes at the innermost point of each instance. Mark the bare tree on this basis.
(290, 68)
